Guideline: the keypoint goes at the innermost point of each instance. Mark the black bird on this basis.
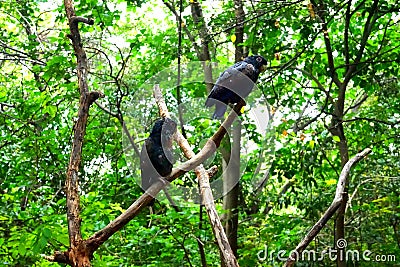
(156, 157)
(235, 84)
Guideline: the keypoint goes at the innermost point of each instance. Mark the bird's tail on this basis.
(220, 109)
(209, 102)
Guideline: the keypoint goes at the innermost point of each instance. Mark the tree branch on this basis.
(328, 46)
(189, 35)
(204, 183)
(358, 104)
(76, 19)
(78, 254)
(337, 201)
(210, 147)
(373, 120)
(346, 35)
(372, 16)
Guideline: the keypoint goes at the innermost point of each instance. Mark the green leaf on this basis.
(51, 110)
(46, 233)
(3, 94)
(311, 144)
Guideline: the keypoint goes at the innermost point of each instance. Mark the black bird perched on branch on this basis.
(156, 157)
(235, 84)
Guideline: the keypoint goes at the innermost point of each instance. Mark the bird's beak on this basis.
(263, 68)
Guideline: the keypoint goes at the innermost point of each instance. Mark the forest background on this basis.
(331, 90)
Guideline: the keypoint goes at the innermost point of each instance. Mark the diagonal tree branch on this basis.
(372, 17)
(204, 185)
(340, 196)
(373, 120)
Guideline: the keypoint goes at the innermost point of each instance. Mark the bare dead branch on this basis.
(336, 203)
(204, 184)
(103, 235)
(78, 254)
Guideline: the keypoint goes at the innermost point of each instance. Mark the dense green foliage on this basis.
(129, 45)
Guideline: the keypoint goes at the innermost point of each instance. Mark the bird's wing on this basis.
(232, 72)
(160, 163)
(225, 80)
(250, 71)
(146, 167)
(241, 71)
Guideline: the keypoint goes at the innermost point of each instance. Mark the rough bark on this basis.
(239, 30)
(78, 254)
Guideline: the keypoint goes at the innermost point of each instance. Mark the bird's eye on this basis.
(259, 59)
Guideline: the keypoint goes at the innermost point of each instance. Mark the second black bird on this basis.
(235, 84)
(156, 157)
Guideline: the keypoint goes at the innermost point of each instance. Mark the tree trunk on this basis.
(340, 232)
(231, 176)
(231, 165)
(239, 32)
